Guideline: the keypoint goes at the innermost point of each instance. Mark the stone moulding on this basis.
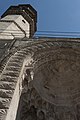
(11, 76)
(42, 53)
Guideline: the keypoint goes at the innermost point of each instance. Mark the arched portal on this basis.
(54, 90)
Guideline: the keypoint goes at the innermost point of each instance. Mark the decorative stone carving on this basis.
(7, 85)
(4, 103)
(41, 115)
(6, 93)
(35, 107)
(57, 78)
(54, 61)
(3, 112)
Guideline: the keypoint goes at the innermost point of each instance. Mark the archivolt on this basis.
(13, 69)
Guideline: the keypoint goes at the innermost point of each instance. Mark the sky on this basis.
(53, 15)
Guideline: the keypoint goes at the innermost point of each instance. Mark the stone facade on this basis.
(18, 22)
(39, 77)
(53, 89)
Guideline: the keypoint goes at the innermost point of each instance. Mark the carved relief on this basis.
(55, 74)
(3, 112)
(57, 77)
(57, 65)
(35, 107)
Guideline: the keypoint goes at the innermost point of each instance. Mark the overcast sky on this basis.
(53, 15)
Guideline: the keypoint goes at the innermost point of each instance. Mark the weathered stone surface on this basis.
(56, 67)
(6, 93)
(17, 58)
(57, 78)
(11, 73)
(14, 64)
(7, 85)
(3, 113)
(4, 46)
(13, 69)
(32, 105)
(8, 78)
(4, 103)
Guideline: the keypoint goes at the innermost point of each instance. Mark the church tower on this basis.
(18, 22)
(39, 77)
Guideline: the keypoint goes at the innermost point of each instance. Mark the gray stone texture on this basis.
(52, 87)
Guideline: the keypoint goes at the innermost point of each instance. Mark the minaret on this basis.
(18, 22)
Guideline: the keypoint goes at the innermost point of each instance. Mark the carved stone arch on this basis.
(42, 54)
(10, 79)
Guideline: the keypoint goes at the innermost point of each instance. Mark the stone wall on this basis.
(56, 78)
